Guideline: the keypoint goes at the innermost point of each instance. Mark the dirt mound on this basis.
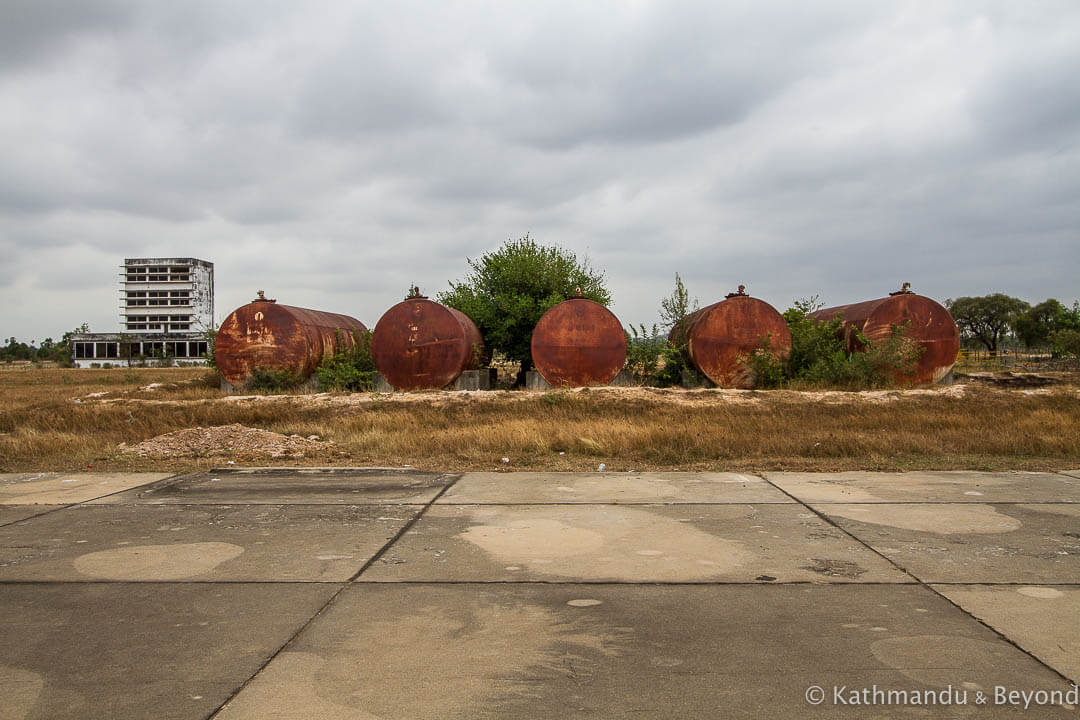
(234, 441)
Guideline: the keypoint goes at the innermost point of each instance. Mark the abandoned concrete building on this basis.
(166, 309)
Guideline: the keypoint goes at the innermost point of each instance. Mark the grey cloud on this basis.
(333, 154)
(33, 30)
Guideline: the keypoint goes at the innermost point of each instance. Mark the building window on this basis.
(107, 350)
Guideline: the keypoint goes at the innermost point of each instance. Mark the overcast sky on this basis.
(335, 153)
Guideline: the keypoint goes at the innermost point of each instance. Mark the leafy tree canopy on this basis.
(1035, 325)
(986, 319)
(509, 289)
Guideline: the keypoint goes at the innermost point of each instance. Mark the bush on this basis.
(266, 379)
(351, 368)
(678, 369)
(765, 365)
(644, 351)
(819, 356)
(1065, 342)
(210, 335)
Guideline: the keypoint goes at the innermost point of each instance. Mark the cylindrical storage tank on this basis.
(719, 336)
(266, 334)
(578, 343)
(929, 324)
(420, 344)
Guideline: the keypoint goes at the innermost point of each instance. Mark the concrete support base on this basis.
(379, 384)
(483, 379)
(536, 381)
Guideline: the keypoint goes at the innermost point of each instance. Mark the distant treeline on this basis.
(998, 320)
(48, 350)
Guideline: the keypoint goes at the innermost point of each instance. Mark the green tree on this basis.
(986, 319)
(677, 305)
(509, 289)
(1065, 343)
(1033, 326)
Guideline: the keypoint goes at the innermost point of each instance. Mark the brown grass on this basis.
(42, 427)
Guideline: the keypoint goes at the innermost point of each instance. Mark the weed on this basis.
(644, 353)
(265, 379)
(351, 367)
(41, 428)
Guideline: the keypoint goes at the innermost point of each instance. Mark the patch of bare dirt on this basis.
(227, 441)
(1017, 379)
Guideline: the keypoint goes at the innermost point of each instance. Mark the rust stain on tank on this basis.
(420, 344)
(718, 336)
(266, 334)
(930, 325)
(578, 343)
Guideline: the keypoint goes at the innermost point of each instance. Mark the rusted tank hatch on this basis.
(578, 343)
(420, 344)
(928, 323)
(718, 336)
(266, 334)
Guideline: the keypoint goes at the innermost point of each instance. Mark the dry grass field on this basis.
(64, 419)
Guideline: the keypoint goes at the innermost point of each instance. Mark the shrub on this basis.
(819, 356)
(644, 352)
(351, 367)
(765, 365)
(678, 369)
(1065, 342)
(267, 379)
(210, 335)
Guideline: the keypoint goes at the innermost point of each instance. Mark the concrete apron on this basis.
(543, 651)
(533, 594)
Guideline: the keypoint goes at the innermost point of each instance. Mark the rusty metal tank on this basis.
(578, 343)
(420, 344)
(718, 336)
(929, 324)
(264, 333)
